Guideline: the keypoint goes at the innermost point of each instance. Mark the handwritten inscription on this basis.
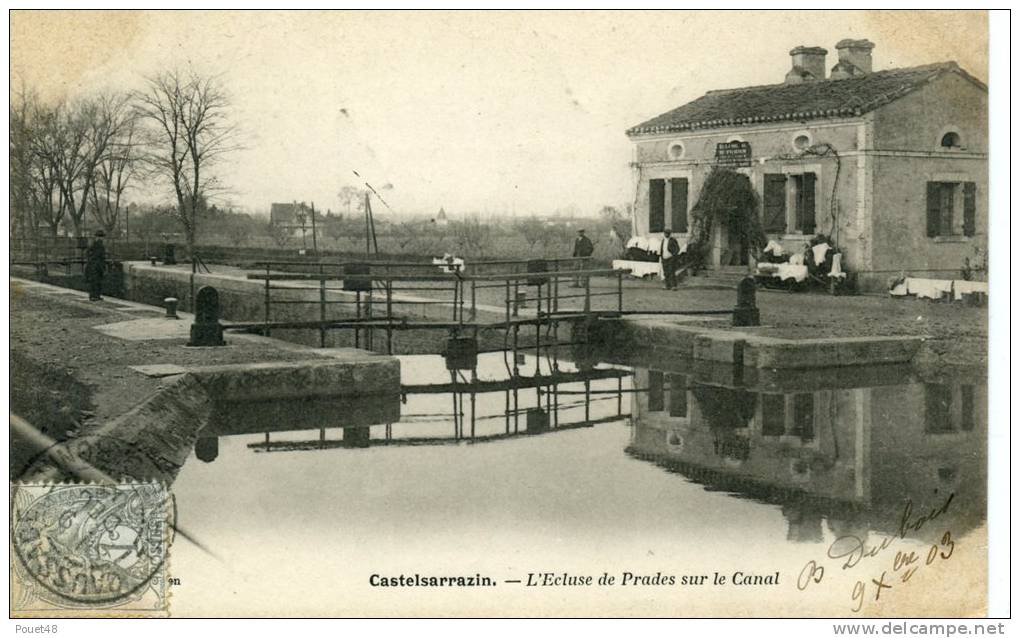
(850, 551)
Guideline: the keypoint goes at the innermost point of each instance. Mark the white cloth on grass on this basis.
(837, 266)
(774, 248)
(819, 253)
(962, 286)
(797, 272)
(928, 288)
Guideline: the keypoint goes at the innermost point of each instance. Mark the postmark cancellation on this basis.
(90, 550)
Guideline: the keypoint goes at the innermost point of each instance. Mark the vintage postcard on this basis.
(500, 314)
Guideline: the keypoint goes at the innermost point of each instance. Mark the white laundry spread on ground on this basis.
(837, 266)
(449, 263)
(962, 286)
(797, 259)
(797, 272)
(819, 253)
(773, 248)
(643, 243)
(933, 288)
(899, 290)
(639, 268)
(928, 288)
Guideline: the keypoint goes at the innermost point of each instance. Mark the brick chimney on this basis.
(808, 65)
(854, 58)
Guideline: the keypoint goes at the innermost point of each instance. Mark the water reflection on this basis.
(836, 452)
(842, 450)
(500, 397)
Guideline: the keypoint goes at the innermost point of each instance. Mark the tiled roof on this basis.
(806, 101)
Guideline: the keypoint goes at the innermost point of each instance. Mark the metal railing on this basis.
(352, 284)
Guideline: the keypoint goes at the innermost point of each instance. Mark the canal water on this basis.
(699, 491)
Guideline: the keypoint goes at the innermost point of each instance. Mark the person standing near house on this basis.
(95, 267)
(669, 249)
(583, 248)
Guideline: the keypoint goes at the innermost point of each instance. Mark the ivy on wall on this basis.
(726, 196)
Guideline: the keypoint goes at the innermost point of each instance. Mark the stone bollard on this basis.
(170, 303)
(746, 313)
(536, 421)
(206, 330)
(207, 448)
(461, 353)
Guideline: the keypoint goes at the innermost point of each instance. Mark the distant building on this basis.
(441, 219)
(295, 217)
(893, 164)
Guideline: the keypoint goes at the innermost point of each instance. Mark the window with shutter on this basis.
(938, 405)
(774, 204)
(947, 193)
(773, 412)
(677, 395)
(656, 205)
(806, 204)
(969, 206)
(932, 207)
(678, 205)
(804, 416)
(656, 391)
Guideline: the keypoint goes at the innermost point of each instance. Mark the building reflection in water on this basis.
(844, 448)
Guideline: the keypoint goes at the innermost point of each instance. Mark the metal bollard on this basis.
(171, 307)
(746, 313)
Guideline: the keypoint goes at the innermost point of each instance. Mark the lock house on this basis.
(891, 165)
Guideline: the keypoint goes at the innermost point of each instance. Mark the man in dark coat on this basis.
(582, 248)
(95, 267)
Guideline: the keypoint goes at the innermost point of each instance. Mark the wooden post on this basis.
(587, 294)
(619, 290)
(508, 302)
(538, 331)
(555, 292)
(619, 396)
(587, 399)
(389, 316)
(268, 302)
(322, 308)
(474, 302)
(315, 242)
(456, 290)
(357, 313)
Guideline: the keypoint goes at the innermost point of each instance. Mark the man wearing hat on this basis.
(582, 248)
(95, 267)
(669, 250)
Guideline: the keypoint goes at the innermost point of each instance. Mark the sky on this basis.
(506, 113)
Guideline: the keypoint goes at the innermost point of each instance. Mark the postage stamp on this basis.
(90, 550)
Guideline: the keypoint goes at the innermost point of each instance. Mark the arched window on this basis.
(950, 140)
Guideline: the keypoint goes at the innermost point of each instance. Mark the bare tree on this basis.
(279, 234)
(532, 229)
(116, 168)
(81, 135)
(349, 195)
(22, 111)
(472, 236)
(44, 195)
(188, 132)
